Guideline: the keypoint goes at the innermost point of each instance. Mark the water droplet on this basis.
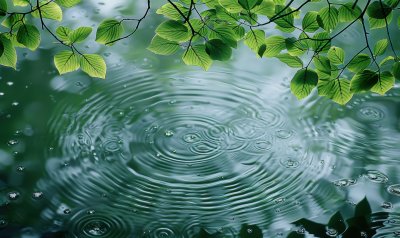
(370, 114)
(13, 195)
(345, 182)
(9, 83)
(14, 104)
(37, 195)
(20, 168)
(168, 133)
(3, 223)
(1, 94)
(387, 205)
(284, 134)
(364, 234)
(91, 212)
(376, 176)
(331, 232)
(290, 163)
(12, 142)
(279, 200)
(249, 231)
(394, 189)
(301, 230)
(67, 211)
(190, 138)
(96, 228)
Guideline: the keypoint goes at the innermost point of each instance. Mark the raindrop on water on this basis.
(387, 205)
(13, 195)
(331, 232)
(344, 182)
(376, 176)
(37, 195)
(168, 133)
(91, 212)
(394, 189)
(67, 211)
(96, 228)
(20, 168)
(12, 142)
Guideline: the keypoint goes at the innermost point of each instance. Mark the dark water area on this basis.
(160, 149)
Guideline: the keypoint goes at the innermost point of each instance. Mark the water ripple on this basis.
(185, 147)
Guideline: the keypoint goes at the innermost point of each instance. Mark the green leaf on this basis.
(359, 63)
(295, 234)
(348, 14)
(362, 209)
(314, 228)
(364, 81)
(339, 91)
(385, 83)
(14, 21)
(254, 39)
(173, 31)
(79, 34)
(329, 17)
(49, 10)
(197, 55)
(204, 234)
(29, 36)
(210, 3)
(162, 46)
(1, 48)
(285, 21)
(66, 61)
(62, 33)
(336, 55)
(386, 61)
(231, 6)
(68, 3)
(262, 50)
(21, 3)
(310, 23)
(323, 67)
(9, 56)
(398, 22)
(378, 10)
(266, 8)
(291, 61)
(108, 31)
(379, 23)
(303, 83)
(224, 33)
(380, 47)
(275, 44)
(94, 65)
(295, 47)
(3, 7)
(218, 50)
(336, 221)
(396, 70)
(321, 42)
(249, 4)
(169, 11)
(224, 15)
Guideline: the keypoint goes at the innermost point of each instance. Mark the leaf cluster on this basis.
(204, 31)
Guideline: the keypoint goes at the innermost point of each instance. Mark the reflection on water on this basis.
(178, 154)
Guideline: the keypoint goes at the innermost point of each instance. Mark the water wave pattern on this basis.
(212, 151)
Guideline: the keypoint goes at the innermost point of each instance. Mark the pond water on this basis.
(159, 149)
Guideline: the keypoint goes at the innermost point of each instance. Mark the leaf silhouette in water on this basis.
(360, 225)
(250, 231)
(204, 234)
